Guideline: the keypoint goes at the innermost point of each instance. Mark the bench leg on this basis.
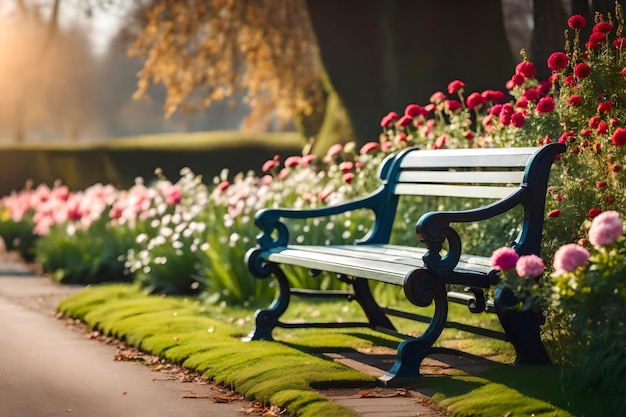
(421, 289)
(522, 329)
(363, 296)
(267, 319)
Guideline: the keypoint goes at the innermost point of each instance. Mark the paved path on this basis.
(48, 369)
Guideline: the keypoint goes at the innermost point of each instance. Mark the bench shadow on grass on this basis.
(454, 374)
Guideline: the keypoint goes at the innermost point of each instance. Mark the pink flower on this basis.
(333, 151)
(577, 22)
(346, 166)
(389, 119)
(440, 142)
(569, 257)
(307, 160)
(369, 147)
(529, 266)
(504, 258)
(348, 177)
(269, 165)
(223, 186)
(545, 105)
(557, 61)
(173, 194)
(455, 86)
(606, 228)
(405, 121)
(437, 97)
(293, 161)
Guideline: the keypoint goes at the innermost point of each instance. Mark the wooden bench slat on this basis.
(441, 190)
(462, 177)
(491, 157)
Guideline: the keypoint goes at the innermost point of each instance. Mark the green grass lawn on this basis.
(286, 372)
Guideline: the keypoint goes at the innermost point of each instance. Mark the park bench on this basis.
(435, 272)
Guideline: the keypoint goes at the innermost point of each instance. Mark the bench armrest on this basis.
(275, 233)
(433, 229)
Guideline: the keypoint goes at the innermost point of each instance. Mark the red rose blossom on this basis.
(453, 105)
(545, 105)
(582, 70)
(455, 86)
(413, 110)
(603, 27)
(575, 100)
(596, 39)
(593, 212)
(557, 61)
(577, 22)
(554, 213)
(527, 69)
(605, 106)
(619, 137)
(619, 43)
(518, 119)
(494, 95)
(474, 100)
(532, 94)
(603, 128)
(594, 122)
(517, 79)
(522, 103)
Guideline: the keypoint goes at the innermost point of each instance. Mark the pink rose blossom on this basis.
(529, 266)
(569, 257)
(504, 258)
(606, 228)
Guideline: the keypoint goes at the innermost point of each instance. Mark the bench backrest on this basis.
(492, 173)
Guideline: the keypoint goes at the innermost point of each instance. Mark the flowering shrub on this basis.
(589, 286)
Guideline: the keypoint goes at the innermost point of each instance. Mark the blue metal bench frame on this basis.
(510, 176)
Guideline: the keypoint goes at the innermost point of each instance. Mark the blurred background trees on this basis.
(329, 69)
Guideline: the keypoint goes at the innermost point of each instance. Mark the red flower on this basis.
(605, 106)
(518, 119)
(585, 132)
(389, 119)
(603, 27)
(570, 81)
(455, 86)
(603, 127)
(594, 122)
(517, 79)
(577, 22)
(307, 159)
(527, 69)
(522, 103)
(223, 186)
(271, 163)
(545, 105)
(582, 70)
(369, 147)
(557, 61)
(348, 177)
(619, 137)
(413, 110)
(575, 100)
(494, 95)
(453, 105)
(623, 72)
(616, 168)
(506, 114)
(554, 213)
(532, 94)
(474, 100)
(495, 110)
(614, 121)
(600, 184)
(440, 142)
(595, 40)
(619, 43)
(593, 212)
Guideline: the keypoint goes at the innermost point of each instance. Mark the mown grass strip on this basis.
(207, 339)
(178, 329)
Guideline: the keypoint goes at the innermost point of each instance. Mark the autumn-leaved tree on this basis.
(204, 51)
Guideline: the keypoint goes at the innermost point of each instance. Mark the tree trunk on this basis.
(382, 55)
(548, 34)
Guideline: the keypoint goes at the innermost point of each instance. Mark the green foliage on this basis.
(17, 235)
(85, 256)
